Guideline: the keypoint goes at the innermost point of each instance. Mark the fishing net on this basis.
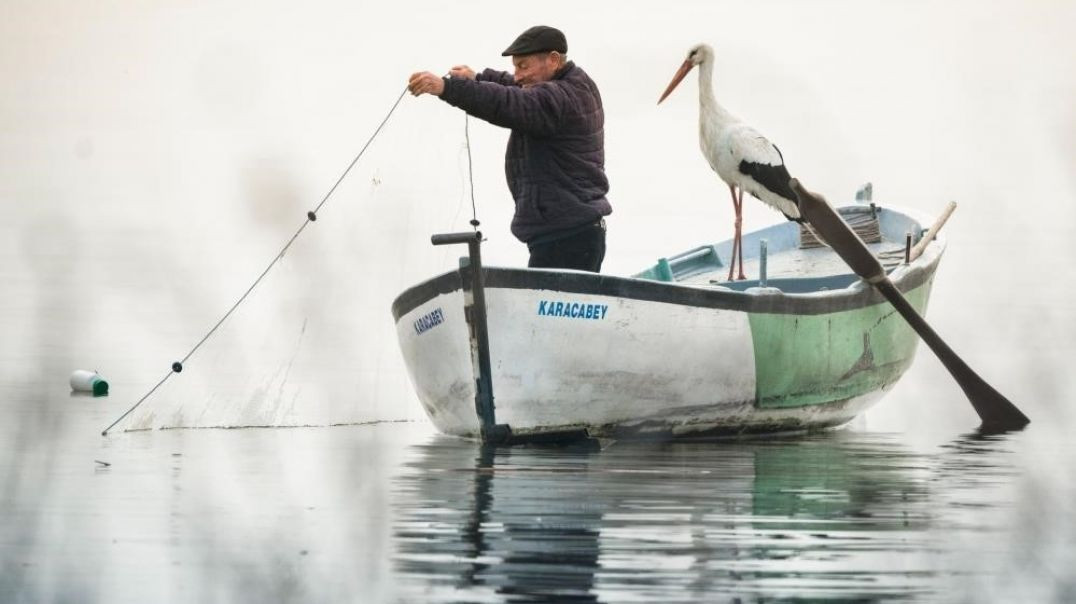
(314, 344)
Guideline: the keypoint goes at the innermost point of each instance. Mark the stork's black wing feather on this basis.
(773, 177)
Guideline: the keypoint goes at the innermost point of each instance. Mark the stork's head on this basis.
(699, 54)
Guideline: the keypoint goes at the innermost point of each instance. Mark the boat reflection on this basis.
(479, 519)
(842, 514)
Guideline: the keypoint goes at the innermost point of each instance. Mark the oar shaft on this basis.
(993, 408)
(932, 232)
(996, 411)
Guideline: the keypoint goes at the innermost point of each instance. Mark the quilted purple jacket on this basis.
(555, 161)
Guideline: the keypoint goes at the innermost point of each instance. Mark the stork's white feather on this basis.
(726, 141)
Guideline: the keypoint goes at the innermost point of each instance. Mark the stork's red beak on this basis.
(680, 73)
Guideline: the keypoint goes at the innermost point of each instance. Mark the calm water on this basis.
(834, 516)
(394, 512)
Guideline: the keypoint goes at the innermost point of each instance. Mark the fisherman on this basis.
(555, 161)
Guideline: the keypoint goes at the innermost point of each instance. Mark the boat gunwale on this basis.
(752, 300)
(756, 300)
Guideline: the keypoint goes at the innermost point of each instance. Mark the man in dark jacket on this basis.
(555, 161)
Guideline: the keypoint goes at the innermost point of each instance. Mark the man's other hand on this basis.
(425, 82)
(462, 71)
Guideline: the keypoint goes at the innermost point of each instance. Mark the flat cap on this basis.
(540, 38)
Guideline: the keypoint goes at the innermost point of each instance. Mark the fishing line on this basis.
(461, 172)
(470, 169)
(311, 216)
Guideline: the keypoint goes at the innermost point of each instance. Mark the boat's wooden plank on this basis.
(862, 220)
(797, 263)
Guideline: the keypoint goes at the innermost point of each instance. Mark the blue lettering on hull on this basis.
(572, 310)
(428, 321)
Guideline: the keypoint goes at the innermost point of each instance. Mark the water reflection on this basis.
(480, 520)
(845, 514)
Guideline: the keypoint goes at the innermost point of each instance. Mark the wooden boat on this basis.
(674, 350)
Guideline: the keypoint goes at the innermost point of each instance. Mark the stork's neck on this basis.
(707, 102)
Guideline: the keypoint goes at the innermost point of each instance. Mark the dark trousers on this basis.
(583, 250)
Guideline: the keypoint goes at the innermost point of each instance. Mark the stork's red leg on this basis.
(739, 230)
(735, 236)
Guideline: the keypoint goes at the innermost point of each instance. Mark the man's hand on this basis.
(462, 71)
(425, 82)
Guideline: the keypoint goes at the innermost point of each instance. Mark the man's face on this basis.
(536, 68)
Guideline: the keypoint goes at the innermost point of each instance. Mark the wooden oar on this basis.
(932, 232)
(997, 413)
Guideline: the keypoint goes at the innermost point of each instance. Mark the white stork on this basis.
(742, 157)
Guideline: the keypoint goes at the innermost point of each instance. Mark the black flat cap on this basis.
(540, 38)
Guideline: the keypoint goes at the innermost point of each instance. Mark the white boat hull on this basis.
(630, 357)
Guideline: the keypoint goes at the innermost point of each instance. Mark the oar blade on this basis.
(997, 413)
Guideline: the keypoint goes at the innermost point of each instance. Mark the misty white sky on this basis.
(153, 157)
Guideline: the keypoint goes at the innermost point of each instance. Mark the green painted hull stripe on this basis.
(805, 360)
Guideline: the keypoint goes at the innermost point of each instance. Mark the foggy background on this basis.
(155, 156)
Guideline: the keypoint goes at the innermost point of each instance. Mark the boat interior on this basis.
(794, 260)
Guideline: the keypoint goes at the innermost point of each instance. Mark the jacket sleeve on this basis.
(536, 110)
(497, 77)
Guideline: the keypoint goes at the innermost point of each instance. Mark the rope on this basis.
(311, 216)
